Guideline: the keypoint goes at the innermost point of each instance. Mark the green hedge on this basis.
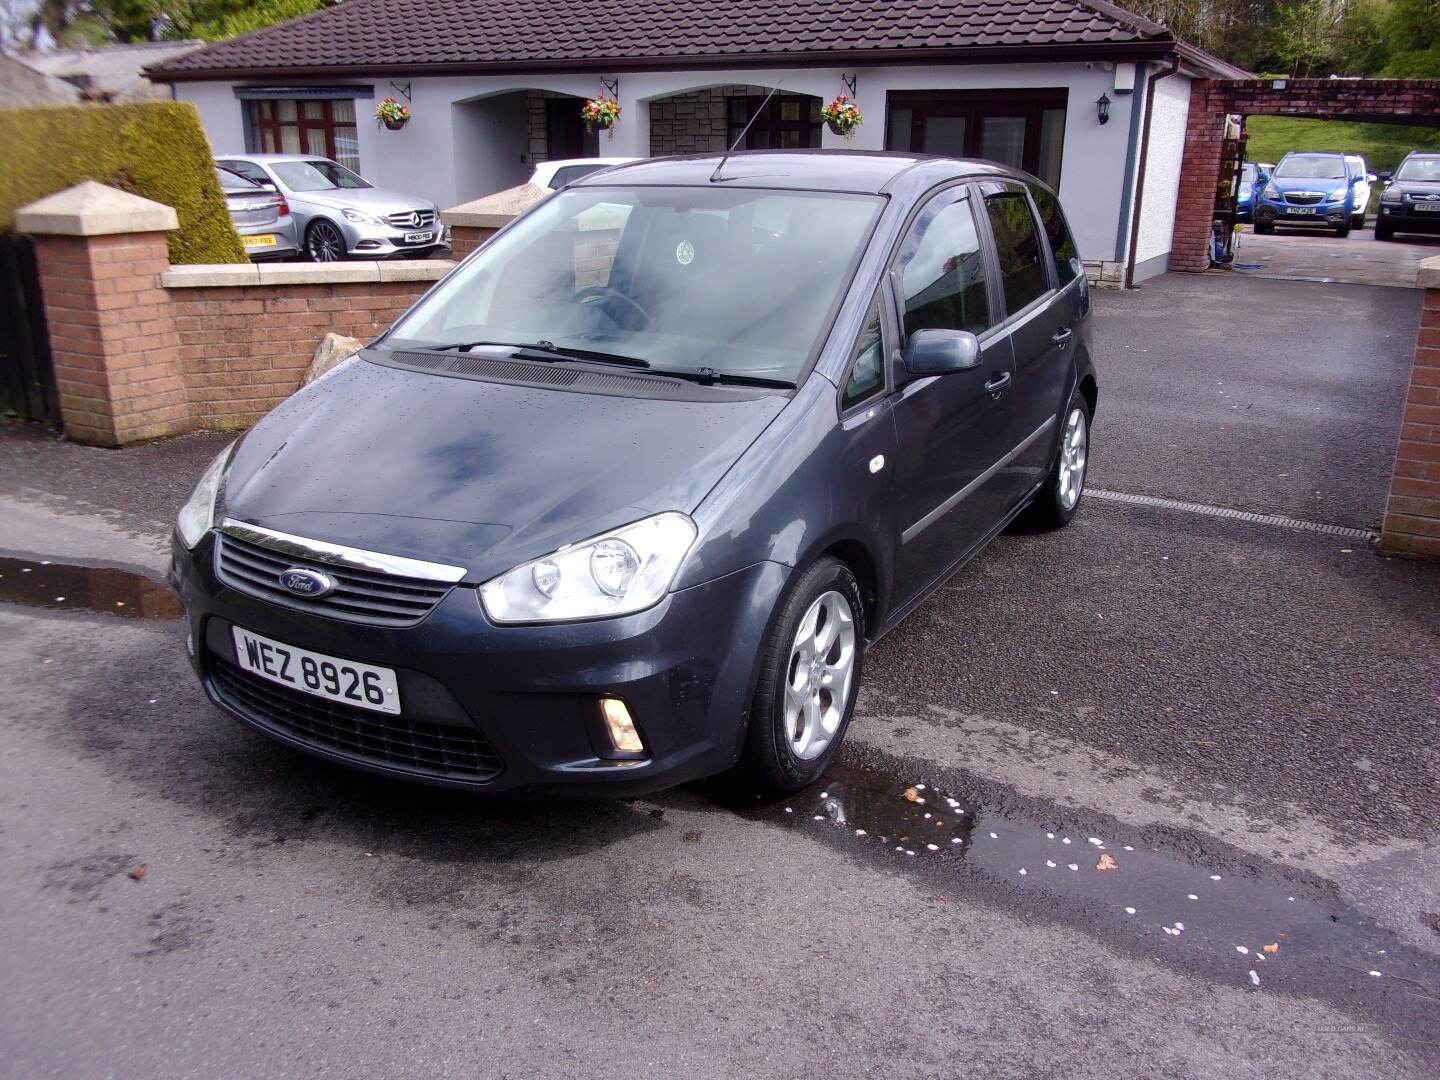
(157, 150)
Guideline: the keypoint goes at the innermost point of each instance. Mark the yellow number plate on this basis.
(265, 240)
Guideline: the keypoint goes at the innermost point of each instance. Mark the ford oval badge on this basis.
(310, 584)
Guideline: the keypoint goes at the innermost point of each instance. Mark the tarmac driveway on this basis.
(1241, 717)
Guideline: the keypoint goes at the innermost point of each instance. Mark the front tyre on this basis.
(1059, 499)
(1342, 231)
(810, 668)
(323, 242)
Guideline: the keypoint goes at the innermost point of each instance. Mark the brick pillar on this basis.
(1199, 173)
(466, 238)
(1412, 514)
(472, 223)
(100, 253)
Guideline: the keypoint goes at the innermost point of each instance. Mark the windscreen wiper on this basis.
(546, 352)
(709, 376)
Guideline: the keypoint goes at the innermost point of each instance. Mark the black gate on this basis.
(27, 376)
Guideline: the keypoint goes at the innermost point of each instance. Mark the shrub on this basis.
(156, 150)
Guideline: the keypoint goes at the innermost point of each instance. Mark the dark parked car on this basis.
(622, 501)
(1410, 202)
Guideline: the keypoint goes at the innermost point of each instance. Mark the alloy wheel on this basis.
(325, 243)
(818, 677)
(1074, 446)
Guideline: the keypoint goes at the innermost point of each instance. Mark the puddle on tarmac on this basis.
(63, 587)
(1165, 902)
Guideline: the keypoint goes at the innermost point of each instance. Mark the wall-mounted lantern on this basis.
(1102, 109)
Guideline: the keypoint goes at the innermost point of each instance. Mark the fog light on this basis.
(621, 727)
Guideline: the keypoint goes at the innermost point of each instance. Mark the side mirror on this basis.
(1357, 178)
(1370, 178)
(1386, 177)
(940, 352)
(1262, 178)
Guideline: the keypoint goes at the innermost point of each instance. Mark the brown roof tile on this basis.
(393, 35)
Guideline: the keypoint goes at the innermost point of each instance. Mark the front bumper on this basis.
(1330, 214)
(522, 701)
(1403, 217)
(368, 241)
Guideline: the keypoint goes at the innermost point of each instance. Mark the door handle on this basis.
(1062, 336)
(997, 384)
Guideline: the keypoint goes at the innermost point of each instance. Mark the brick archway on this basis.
(1395, 101)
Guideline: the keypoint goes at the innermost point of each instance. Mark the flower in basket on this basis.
(391, 113)
(842, 116)
(601, 112)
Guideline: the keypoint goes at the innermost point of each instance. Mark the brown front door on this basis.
(1023, 128)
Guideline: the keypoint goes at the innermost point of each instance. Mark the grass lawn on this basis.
(1381, 145)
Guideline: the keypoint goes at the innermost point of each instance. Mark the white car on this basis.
(1362, 188)
(558, 174)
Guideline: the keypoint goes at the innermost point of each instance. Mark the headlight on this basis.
(198, 513)
(362, 218)
(1271, 191)
(1337, 195)
(618, 573)
(1392, 195)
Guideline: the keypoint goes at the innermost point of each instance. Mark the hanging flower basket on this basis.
(392, 114)
(600, 114)
(842, 116)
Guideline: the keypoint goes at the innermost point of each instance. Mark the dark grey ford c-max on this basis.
(622, 501)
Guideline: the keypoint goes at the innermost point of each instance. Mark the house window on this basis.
(322, 128)
(1023, 128)
(789, 121)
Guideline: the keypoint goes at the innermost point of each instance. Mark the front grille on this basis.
(360, 596)
(407, 219)
(1303, 198)
(431, 749)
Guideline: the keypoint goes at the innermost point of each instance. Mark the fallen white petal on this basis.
(860, 832)
(1214, 877)
(1179, 926)
(954, 840)
(1242, 950)
(1074, 867)
(933, 847)
(1129, 911)
(824, 794)
(788, 810)
(1254, 978)
(1096, 840)
(1064, 840)
(994, 837)
(1376, 974)
(1023, 871)
(1193, 896)
(1050, 863)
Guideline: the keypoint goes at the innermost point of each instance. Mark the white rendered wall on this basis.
(1171, 111)
(441, 153)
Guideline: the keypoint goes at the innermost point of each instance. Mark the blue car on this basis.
(1253, 177)
(1313, 189)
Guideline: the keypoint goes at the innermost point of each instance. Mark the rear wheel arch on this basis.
(1090, 391)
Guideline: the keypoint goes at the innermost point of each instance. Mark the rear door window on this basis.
(1052, 219)
(1017, 246)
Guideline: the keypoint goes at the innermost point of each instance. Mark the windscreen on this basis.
(319, 175)
(740, 281)
(235, 184)
(1420, 168)
(1312, 167)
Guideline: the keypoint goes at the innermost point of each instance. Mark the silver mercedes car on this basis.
(339, 214)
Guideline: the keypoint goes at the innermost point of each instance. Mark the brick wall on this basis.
(1412, 514)
(143, 349)
(1211, 101)
(244, 349)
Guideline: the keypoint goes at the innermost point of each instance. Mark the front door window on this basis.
(1024, 129)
